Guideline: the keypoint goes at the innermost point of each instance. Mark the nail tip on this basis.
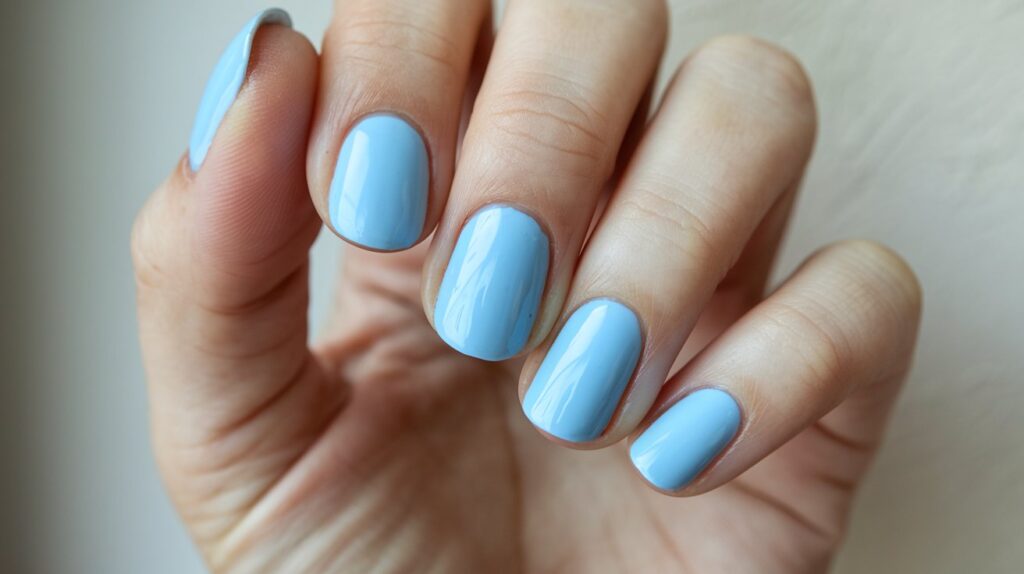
(474, 351)
(384, 245)
(647, 473)
(215, 102)
(570, 436)
(275, 15)
(575, 432)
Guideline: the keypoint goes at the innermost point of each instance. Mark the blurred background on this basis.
(921, 146)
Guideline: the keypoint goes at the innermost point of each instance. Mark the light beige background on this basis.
(921, 146)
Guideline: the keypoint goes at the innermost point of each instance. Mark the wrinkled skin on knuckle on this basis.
(886, 285)
(814, 333)
(557, 129)
(651, 16)
(376, 33)
(748, 73)
(677, 228)
(148, 242)
(864, 294)
(890, 270)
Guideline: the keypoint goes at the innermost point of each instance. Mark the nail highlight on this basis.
(378, 197)
(224, 84)
(585, 372)
(686, 438)
(491, 290)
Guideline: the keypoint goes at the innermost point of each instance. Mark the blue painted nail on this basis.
(581, 380)
(688, 436)
(491, 291)
(225, 82)
(378, 198)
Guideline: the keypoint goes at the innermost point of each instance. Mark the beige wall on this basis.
(921, 146)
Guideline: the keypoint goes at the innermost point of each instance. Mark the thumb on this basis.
(221, 259)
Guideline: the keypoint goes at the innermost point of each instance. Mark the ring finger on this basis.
(730, 139)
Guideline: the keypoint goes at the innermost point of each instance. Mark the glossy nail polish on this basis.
(491, 291)
(585, 372)
(224, 83)
(378, 197)
(686, 438)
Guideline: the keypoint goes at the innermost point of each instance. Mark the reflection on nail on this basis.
(491, 291)
(378, 197)
(581, 380)
(686, 438)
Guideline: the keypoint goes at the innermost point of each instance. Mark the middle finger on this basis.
(563, 82)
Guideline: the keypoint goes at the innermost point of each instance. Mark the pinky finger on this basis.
(844, 324)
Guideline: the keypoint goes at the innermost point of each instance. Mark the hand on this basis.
(380, 448)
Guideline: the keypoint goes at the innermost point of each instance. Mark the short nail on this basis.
(686, 438)
(581, 380)
(378, 197)
(491, 291)
(225, 82)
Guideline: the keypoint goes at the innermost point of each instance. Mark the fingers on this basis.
(383, 147)
(844, 324)
(564, 80)
(220, 252)
(731, 138)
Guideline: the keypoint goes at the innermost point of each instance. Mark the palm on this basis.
(414, 457)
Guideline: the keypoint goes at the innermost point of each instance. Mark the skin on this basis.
(377, 447)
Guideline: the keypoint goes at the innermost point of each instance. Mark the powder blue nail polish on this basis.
(225, 82)
(378, 197)
(491, 291)
(685, 438)
(581, 380)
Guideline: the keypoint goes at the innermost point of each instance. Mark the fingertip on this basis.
(234, 215)
(251, 188)
(225, 82)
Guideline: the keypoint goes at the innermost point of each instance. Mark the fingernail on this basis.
(225, 82)
(581, 380)
(491, 290)
(688, 436)
(378, 198)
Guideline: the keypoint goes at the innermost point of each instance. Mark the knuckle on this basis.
(656, 11)
(852, 316)
(815, 334)
(648, 15)
(751, 67)
(374, 36)
(149, 271)
(680, 227)
(554, 126)
(879, 269)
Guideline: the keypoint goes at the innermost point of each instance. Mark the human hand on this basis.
(627, 254)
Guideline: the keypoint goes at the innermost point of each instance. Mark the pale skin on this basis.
(376, 447)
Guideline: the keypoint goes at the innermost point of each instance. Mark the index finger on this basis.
(382, 154)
